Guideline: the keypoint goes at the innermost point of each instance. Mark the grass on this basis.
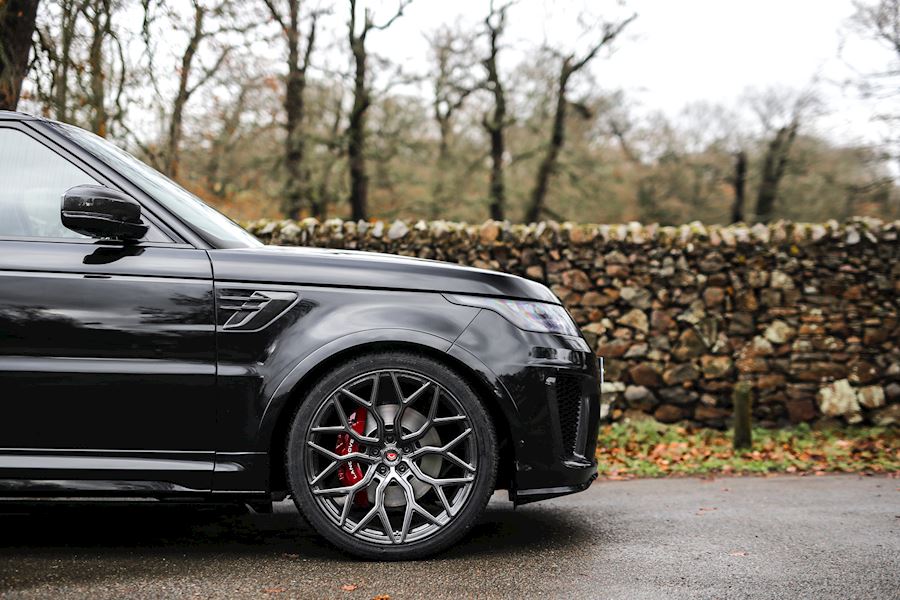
(649, 449)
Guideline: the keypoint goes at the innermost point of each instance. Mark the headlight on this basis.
(524, 314)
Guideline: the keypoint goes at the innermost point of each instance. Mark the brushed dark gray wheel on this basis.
(392, 456)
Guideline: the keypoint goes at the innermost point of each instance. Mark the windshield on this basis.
(210, 224)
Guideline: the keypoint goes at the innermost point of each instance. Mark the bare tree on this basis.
(774, 165)
(334, 149)
(186, 88)
(99, 15)
(207, 25)
(362, 98)
(496, 122)
(299, 57)
(571, 65)
(223, 142)
(17, 18)
(452, 84)
(879, 20)
(781, 113)
(81, 69)
(58, 45)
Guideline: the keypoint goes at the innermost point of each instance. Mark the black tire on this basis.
(321, 515)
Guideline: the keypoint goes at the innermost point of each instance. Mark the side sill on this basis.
(59, 488)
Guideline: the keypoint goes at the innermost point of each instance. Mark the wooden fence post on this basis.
(742, 397)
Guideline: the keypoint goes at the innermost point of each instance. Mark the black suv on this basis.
(150, 347)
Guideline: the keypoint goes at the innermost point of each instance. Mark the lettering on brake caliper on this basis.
(350, 472)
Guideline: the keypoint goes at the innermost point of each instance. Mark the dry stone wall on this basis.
(808, 313)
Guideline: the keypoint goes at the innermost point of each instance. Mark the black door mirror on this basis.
(100, 212)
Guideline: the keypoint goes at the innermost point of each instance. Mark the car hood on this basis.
(349, 268)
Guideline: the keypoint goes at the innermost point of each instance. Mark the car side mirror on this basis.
(100, 212)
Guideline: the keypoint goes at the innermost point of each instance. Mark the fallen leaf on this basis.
(381, 597)
(349, 587)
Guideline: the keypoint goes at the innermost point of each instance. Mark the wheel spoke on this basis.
(438, 486)
(360, 456)
(442, 450)
(348, 490)
(433, 481)
(377, 507)
(373, 399)
(347, 428)
(331, 468)
(458, 461)
(453, 419)
(328, 429)
(412, 507)
(429, 420)
(355, 398)
(404, 402)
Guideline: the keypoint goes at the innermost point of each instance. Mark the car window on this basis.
(210, 224)
(33, 179)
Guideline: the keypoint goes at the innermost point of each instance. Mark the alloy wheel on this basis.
(390, 457)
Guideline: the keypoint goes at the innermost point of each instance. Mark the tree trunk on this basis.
(739, 182)
(17, 19)
(773, 170)
(69, 20)
(294, 107)
(496, 123)
(557, 139)
(99, 31)
(181, 98)
(296, 186)
(498, 184)
(356, 133)
(439, 193)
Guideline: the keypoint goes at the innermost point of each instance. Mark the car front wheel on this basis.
(392, 456)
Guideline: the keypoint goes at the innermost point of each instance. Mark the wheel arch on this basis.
(291, 394)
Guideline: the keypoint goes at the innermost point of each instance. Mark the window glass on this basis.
(33, 179)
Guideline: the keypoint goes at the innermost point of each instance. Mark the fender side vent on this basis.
(251, 310)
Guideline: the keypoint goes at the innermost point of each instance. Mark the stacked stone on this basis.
(807, 313)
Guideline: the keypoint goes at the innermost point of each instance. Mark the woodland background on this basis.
(271, 108)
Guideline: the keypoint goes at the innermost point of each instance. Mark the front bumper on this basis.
(552, 407)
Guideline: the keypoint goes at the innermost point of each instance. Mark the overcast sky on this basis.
(679, 51)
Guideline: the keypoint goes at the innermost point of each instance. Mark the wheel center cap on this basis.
(391, 456)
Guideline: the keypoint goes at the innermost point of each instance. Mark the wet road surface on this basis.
(797, 537)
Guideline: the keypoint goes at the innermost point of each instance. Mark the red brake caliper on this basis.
(350, 472)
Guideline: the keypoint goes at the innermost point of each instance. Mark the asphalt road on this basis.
(781, 537)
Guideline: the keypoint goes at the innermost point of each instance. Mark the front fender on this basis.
(350, 343)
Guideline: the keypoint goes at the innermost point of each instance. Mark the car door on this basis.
(107, 349)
